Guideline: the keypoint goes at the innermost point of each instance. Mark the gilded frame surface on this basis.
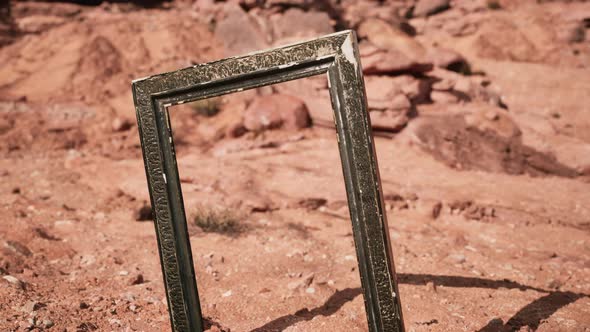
(335, 54)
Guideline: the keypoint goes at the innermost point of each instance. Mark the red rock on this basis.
(448, 59)
(572, 32)
(356, 12)
(379, 61)
(388, 121)
(443, 97)
(388, 37)
(430, 7)
(381, 90)
(121, 124)
(418, 91)
(295, 23)
(239, 32)
(395, 93)
(501, 39)
(274, 111)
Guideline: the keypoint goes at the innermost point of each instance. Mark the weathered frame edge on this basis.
(339, 57)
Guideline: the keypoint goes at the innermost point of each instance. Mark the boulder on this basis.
(443, 97)
(387, 37)
(501, 39)
(388, 121)
(396, 93)
(417, 90)
(274, 111)
(430, 7)
(448, 59)
(381, 93)
(379, 61)
(356, 12)
(39, 23)
(296, 24)
(239, 32)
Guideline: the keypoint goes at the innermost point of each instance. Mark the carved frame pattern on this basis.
(337, 55)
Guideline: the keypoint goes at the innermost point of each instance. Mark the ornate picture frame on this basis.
(337, 55)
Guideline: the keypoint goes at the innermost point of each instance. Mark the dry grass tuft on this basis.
(221, 221)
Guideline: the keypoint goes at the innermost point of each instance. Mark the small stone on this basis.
(138, 280)
(227, 294)
(31, 306)
(84, 305)
(47, 323)
(87, 260)
(458, 258)
(492, 115)
(14, 281)
(430, 7)
(143, 213)
(31, 322)
(305, 282)
(554, 283)
(431, 287)
(17, 248)
(310, 290)
(312, 203)
(120, 124)
(436, 208)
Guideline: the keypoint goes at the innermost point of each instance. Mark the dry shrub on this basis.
(221, 221)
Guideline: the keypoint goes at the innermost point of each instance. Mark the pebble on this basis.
(17, 248)
(47, 323)
(14, 281)
(31, 306)
(303, 283)
(138, 280)
(431, 287)
(143, 213)
(115, 322)
(87, 260)
(458, 258)
(121, 124)
(436, 208)
(227, 294)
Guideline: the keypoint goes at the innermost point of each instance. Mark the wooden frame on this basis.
(337, 54)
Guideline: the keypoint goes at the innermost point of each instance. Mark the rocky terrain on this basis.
(480, 110)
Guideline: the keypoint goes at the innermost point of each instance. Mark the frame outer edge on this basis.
(384, 311)
(359, 164)
(153, 162)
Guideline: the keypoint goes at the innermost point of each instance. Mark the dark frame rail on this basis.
(337, 54)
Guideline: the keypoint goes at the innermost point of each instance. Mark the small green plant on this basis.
(212, 220)
(207, 107)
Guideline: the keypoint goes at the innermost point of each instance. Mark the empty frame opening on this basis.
(267, 211)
